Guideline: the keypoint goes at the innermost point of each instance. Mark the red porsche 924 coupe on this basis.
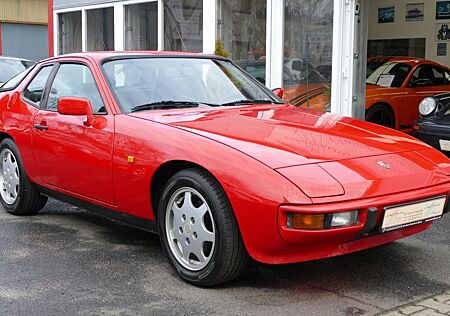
(193, 148)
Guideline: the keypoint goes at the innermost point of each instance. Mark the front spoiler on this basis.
(304, 245)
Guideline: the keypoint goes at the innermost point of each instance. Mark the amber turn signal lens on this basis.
(305, 221)
(416, 127)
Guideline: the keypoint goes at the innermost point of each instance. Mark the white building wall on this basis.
(411, 29)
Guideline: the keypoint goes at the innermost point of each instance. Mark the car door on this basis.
(426, 80)
(20, 106)
(71, 154)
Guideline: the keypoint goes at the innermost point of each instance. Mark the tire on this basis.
(382, 115)
(17, 194)
(214, 235)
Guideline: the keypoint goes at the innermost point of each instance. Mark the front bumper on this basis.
(305, 245)
(431, 132)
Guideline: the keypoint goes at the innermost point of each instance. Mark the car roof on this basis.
(102, 55)
(404, 59)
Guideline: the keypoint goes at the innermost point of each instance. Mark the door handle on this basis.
(41, 127)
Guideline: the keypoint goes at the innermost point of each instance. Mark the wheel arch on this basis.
(4, 135)
(385, 104)
(162, 175)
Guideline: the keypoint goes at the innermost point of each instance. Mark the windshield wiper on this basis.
(248, 102)
(166, 105)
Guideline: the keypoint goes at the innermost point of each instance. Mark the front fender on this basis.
(255, 191)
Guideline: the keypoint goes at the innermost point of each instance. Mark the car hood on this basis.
(281, 136)
(324, 155)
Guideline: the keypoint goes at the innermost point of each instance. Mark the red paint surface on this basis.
(258, 154)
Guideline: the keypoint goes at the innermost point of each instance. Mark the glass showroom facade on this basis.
(291, 44)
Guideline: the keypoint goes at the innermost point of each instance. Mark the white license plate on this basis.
(397, 217)
(445, 144)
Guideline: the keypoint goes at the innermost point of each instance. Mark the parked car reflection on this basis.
(303, 86)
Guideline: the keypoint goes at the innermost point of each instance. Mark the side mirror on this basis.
(278, 92)
(77, 107)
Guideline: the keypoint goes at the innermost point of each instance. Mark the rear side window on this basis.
(75, 80)
(35, 89)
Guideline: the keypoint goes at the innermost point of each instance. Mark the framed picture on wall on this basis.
(386, 14)
(442, 49)
(414, 12)
(442, 10)
(442, 32)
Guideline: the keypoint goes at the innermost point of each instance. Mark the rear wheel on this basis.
(198, 230)
(17, 194)
(382, 115)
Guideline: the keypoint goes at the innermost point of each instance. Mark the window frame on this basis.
(85, 24)
(53, 76)
(160, 24)
(165, 17)
(57, 32)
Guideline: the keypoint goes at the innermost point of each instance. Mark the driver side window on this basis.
(75, 80)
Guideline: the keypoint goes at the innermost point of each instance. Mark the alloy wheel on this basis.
(9, 177)
(190, 229)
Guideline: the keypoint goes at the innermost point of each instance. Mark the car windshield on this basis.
(372, 66)
(167, 82)
(11, 67)
(388, 74)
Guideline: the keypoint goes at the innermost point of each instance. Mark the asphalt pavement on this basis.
(67, 261)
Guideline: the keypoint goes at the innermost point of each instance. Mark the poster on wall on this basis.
(414, 12)
(442, 32)
(386, 14)
(442, 49)
(442, 10)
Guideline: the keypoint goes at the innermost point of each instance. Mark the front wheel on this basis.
(382, 115)
(17, 194)
(198, 230)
